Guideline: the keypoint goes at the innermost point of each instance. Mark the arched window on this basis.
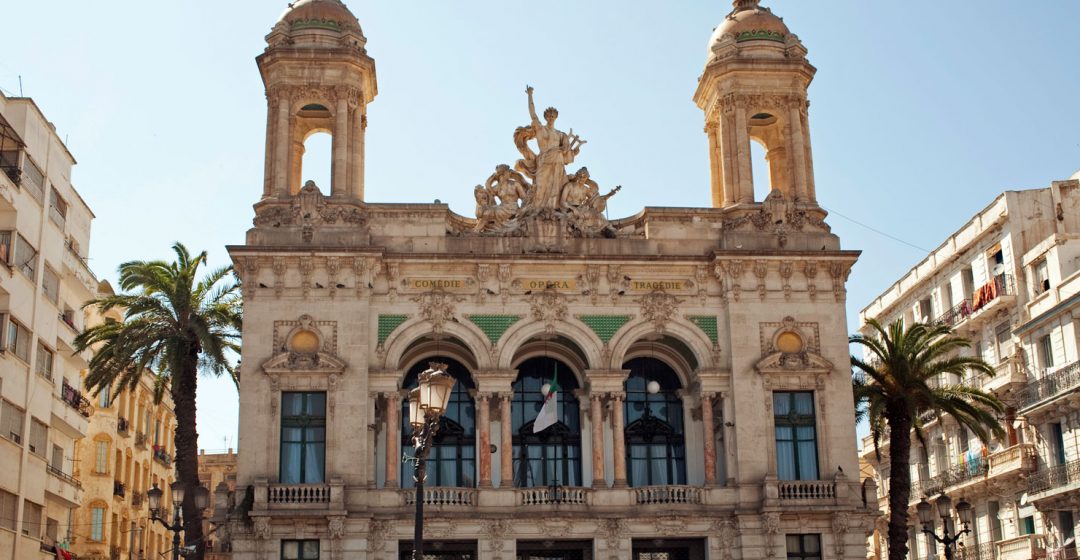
(655, 440)
(552, 456)
(452, 460)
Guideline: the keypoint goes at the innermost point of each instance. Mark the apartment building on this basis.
(1009, 280)
(128, 448)
(44, 281)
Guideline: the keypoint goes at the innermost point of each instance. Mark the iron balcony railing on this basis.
(984, 551)
(958, 474)
(1000, 285)
(161, 456)
(1062, 380)
(140, 440)
(73, 398)
(955, 314)
(122, 426)
(63, 476)
(1054, 477)
(118, 488)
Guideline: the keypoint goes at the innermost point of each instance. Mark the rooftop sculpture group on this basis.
(538, 188)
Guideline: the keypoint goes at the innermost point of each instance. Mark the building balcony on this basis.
(137, 499)
(67, 416)
(1008, 376)
(1026, 547)
(984, 551)
(118, 489)
(1062, 553)
(140, 440)
(1050, 386)
(122, 426)
(955, 315)
(1005, 466)
(998, 293)
(271, 497)
(1055, 484)
(808, 494)
(161, 456)
(440, 497)
(63, 487)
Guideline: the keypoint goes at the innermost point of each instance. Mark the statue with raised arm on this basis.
(547, 168)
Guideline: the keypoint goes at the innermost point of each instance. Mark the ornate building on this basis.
(705, 402)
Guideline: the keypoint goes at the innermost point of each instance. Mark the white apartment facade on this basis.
(44, 281)
(1008, 280)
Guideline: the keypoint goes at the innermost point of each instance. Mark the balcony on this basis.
(1049, 386)
(984, 551)
(1026, 547)
(809, 493)
(63, 487)
(74, 398)
(1062, 553)
(118, 489)
(140, 440)
(294, 497)
(122, 426)
(1007, 465)
(442, 497)
(667, 495)
(70, 420)
(137, 499)
(1055, 482)
(955, 314)
(161, 456)
(991, 296)
(554, 496)
(954, 476)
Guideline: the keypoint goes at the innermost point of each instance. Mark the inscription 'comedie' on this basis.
(444, 283)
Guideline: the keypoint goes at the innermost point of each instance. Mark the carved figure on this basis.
(585, 205)
(556, 149)
(485, 208)
(311, 199)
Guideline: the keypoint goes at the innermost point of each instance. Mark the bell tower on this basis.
(318, 78)
(754, 89)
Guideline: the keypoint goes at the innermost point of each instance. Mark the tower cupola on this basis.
(318, 78)
(753, 89)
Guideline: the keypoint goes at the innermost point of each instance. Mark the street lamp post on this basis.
(949, 535)
(201, 497)
(427, 403)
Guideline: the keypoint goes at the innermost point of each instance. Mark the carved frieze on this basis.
(659, 308)
(437, 307)
(548, 307)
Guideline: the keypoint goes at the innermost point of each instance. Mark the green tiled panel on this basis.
(707, 323)
(387, 324)
(605, 326)
(494, 325)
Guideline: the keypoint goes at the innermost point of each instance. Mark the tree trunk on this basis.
(899, 479)
(187, 449)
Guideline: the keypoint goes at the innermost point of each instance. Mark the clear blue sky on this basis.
(921, 111)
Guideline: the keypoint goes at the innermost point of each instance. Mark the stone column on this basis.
(742, 145)
(483, 439)
(712, 130)
(710, 438)
(281, 145)
(358, 133)
(728, 157)
(596, 412)
(339, 185)
(727, 416)
(619, 439)
(393, 439)
(506, 448)
(811, 193)
(268, 149)
(798, 155)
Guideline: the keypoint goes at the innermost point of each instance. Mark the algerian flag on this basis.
(549, 413)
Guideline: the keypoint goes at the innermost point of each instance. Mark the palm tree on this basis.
(174, 325)
(894, 388)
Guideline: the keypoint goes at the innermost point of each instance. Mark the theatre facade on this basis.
(704, 404)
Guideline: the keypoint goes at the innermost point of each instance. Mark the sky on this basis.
(921, 112)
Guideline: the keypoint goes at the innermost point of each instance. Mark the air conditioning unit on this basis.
(15, 437)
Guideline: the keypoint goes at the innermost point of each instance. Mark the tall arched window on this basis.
(452, 460)
(552, 456)
(655, 440)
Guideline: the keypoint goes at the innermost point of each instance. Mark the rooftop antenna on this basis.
(20, 86)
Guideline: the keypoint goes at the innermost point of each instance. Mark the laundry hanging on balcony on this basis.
(985, 294)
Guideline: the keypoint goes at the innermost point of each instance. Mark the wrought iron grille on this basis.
(1055, 477)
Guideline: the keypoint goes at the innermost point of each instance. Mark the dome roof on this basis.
(1075, 175)
(326, 14)
(750, 22)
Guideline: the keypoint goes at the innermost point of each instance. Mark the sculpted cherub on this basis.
(510, 188)
(485, 208)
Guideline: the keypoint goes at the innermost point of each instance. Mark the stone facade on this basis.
(44, 281)
(128, 448)
(1008, 280)
(682, 339)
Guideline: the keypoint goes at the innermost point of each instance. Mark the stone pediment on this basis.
(304, 362)
(800, 362)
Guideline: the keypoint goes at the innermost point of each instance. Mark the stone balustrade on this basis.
(667, 495)
(1021, 548)
(275, 496)
(807, 490)
(546, 495)
(441, 496)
